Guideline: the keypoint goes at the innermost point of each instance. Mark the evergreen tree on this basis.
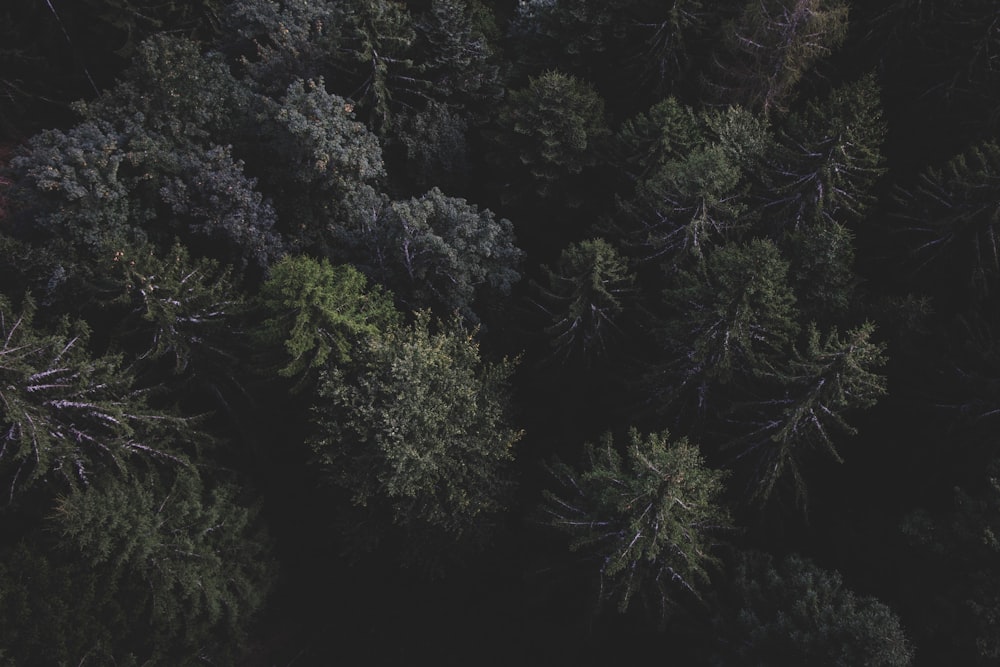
(65, 414)
(584, 297)
(827, 160)
(319, 313)
(769, 48)
(811, 395)
(314, 157)
(730, 318)
(552, 130)
(445, 253)
(137, 569)
(416, 429)
(793, 611)
(951, 212)
(648, 518)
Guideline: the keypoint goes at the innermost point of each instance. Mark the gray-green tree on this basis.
(793, 611)
(444, 253)
(650, 518)
(951, 213)
(416, 429)
(66, 414)
(729, 319)
(827, 159)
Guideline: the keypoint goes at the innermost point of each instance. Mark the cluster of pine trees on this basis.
(535, 332)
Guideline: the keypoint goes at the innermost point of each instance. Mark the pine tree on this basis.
(65, 414)
(649, 519)
(445, 253)
(729, 319)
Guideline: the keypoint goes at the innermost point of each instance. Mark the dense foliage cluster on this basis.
(515, 332)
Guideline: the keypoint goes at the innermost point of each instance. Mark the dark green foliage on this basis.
(952, 212)
(812, 392)
(416, 429)
(649, 519)
(319, 313)
(584, 298)
(960, 547)
(65, 414)
(770, 47)
(827, 159)
(142, 569)
(552, 130)
(458, 57)
(822, 261)
(796, 613)
(689, 195)
(437, 150)
(445, 253)
(729, 319)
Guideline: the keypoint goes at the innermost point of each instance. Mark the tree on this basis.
(416, 429)
(157, 568)
(772, 613)
(827, 160)
(729, 319)
(170, 88)
(457, 55)
(65, 414)
(552, 130)
(180, 323)
(445, 253)
(692, 175)
(771, 45)
(96, 187)
(806, 407)
(584, 296)
(952, 212)
(320, 313)
(649, 519)
(313, 156)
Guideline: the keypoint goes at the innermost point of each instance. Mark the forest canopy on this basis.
(515, 332)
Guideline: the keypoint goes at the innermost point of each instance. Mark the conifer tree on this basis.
(730, 318)
(584, 299)
(319, 313)
(416, 429)
(650, 519)
(65, 414)
(793, 610)
(951, 213)
(552, 130)
(770, 46)
(827, 159)
(811, 395)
